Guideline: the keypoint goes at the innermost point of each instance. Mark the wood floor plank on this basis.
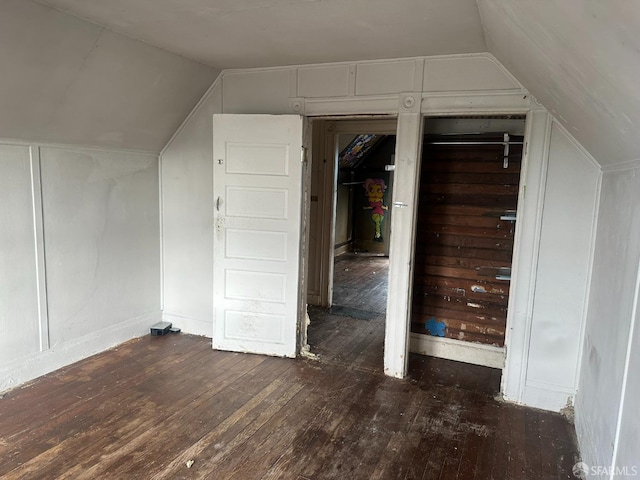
(403, 445)
(69, 425)
(246, 416)
(484, 463)
(317, 431)
(516, 466)
(360, 281)
(429, 438)
(347, 404)
(146, 448)
(222, 435)
(389, 404)
(64, 387)
(145, 409)
(277, 436)
(89, 431)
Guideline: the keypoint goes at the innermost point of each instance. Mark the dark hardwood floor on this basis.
(150, 407)
(360, 282)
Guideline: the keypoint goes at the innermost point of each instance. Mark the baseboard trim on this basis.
(467, 352)
(24, 369)
(342, 249)
(547, 397)
(189, 325)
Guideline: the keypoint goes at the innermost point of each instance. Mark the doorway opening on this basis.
(352, 186)
(467, 212)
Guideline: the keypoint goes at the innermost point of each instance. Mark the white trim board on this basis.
(450, 349)
(405, 191)
(545, 396)
(617, 167)
(38, 228)
(533, 178)
(217, 82)
(72, 146)
(342, 249)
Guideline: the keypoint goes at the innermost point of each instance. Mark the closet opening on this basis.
(466, 217)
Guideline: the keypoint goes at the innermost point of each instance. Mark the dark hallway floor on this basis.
(360, 282)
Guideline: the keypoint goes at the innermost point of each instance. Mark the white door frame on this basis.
(410, 109)
(408, 131)
(406, 180)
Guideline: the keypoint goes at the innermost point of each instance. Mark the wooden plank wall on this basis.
(461, 243)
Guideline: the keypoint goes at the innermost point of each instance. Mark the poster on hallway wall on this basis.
(374, 190)
(372, 213)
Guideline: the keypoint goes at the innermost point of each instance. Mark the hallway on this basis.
(351, 332)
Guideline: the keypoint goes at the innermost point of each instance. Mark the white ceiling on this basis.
(580, 58)
(258, 33)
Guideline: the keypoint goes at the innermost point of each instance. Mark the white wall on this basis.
(610, 367)
(187, 220)
(79, 254)
(563, 268)
(464, 84)
(65, 80)
(18, 261)
(628, 442)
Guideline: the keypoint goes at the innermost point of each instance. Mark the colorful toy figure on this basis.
(375, 188)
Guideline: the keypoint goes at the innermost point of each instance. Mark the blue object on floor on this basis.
(435, 327)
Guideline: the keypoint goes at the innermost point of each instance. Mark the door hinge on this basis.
(303, 154)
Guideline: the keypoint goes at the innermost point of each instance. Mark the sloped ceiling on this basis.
(257, 33)
(581, 59)
(65, 80)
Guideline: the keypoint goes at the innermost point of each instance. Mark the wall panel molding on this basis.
(38, 228)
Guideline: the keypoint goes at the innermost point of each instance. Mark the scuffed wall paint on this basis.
(563, 268)
(609, 323)
(98, 284)
(100, 214)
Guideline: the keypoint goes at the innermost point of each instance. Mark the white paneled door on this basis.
(257, 177)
